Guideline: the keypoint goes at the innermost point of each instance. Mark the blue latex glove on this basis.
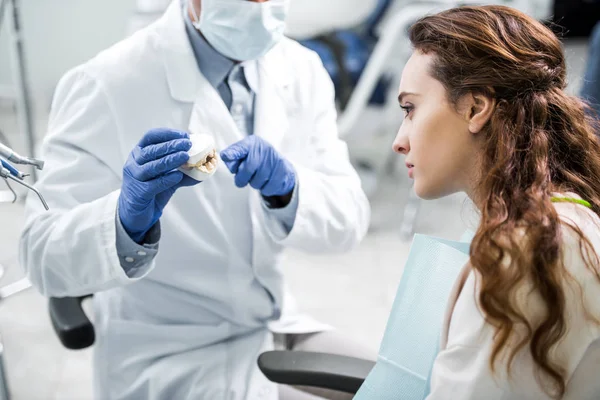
(254, 161)
(150, 178)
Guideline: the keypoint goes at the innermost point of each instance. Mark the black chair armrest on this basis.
(72, 326)
(327, 371)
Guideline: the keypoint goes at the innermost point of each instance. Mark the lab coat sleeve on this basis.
(333, 211)
(70, 250)
(135, 258)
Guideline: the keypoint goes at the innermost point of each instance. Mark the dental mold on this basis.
(204, 158)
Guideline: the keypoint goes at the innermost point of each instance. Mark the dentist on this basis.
(187, 275)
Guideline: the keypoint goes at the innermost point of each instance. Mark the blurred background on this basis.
(362, 45)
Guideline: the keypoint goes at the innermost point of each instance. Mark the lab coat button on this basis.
(238, 108)
(141, 253)
(129, 259)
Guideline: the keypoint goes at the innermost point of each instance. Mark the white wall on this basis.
(59, 34)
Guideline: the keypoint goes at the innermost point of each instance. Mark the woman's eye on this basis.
(407, 110)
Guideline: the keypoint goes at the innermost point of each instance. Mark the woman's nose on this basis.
(401, 144)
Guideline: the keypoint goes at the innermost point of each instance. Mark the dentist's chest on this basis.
(217, 205)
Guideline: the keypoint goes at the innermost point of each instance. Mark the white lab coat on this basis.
(461, 370)
(193, 323)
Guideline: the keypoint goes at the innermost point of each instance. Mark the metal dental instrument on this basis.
(13, 170)
(5, 173)
(11, 155)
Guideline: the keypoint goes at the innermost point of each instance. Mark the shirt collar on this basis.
(251, 74)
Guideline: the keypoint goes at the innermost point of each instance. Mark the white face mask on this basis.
(240, 29)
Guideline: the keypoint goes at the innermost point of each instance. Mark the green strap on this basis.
(570, 200)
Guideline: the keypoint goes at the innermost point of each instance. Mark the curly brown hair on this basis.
(538, 141)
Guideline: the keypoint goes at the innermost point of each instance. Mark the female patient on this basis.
(486, 113)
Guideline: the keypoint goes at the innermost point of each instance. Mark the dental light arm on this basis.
(11, 155)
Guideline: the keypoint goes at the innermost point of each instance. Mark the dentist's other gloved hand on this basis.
(150, 178)
(254, 161)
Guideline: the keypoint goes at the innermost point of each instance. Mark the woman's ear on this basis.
(479, 112)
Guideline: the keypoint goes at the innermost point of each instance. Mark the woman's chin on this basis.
(429, 192)
(426, 195)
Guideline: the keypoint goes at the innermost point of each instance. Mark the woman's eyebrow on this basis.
(404, 94)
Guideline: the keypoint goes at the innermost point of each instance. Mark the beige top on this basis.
(461, 371)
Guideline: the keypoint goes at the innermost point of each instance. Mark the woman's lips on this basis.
(410, 169)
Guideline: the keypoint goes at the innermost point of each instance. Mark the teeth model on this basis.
(203, 160)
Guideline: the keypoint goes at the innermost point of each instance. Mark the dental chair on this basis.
(317, 370)
(345, 374)
(70, 322)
